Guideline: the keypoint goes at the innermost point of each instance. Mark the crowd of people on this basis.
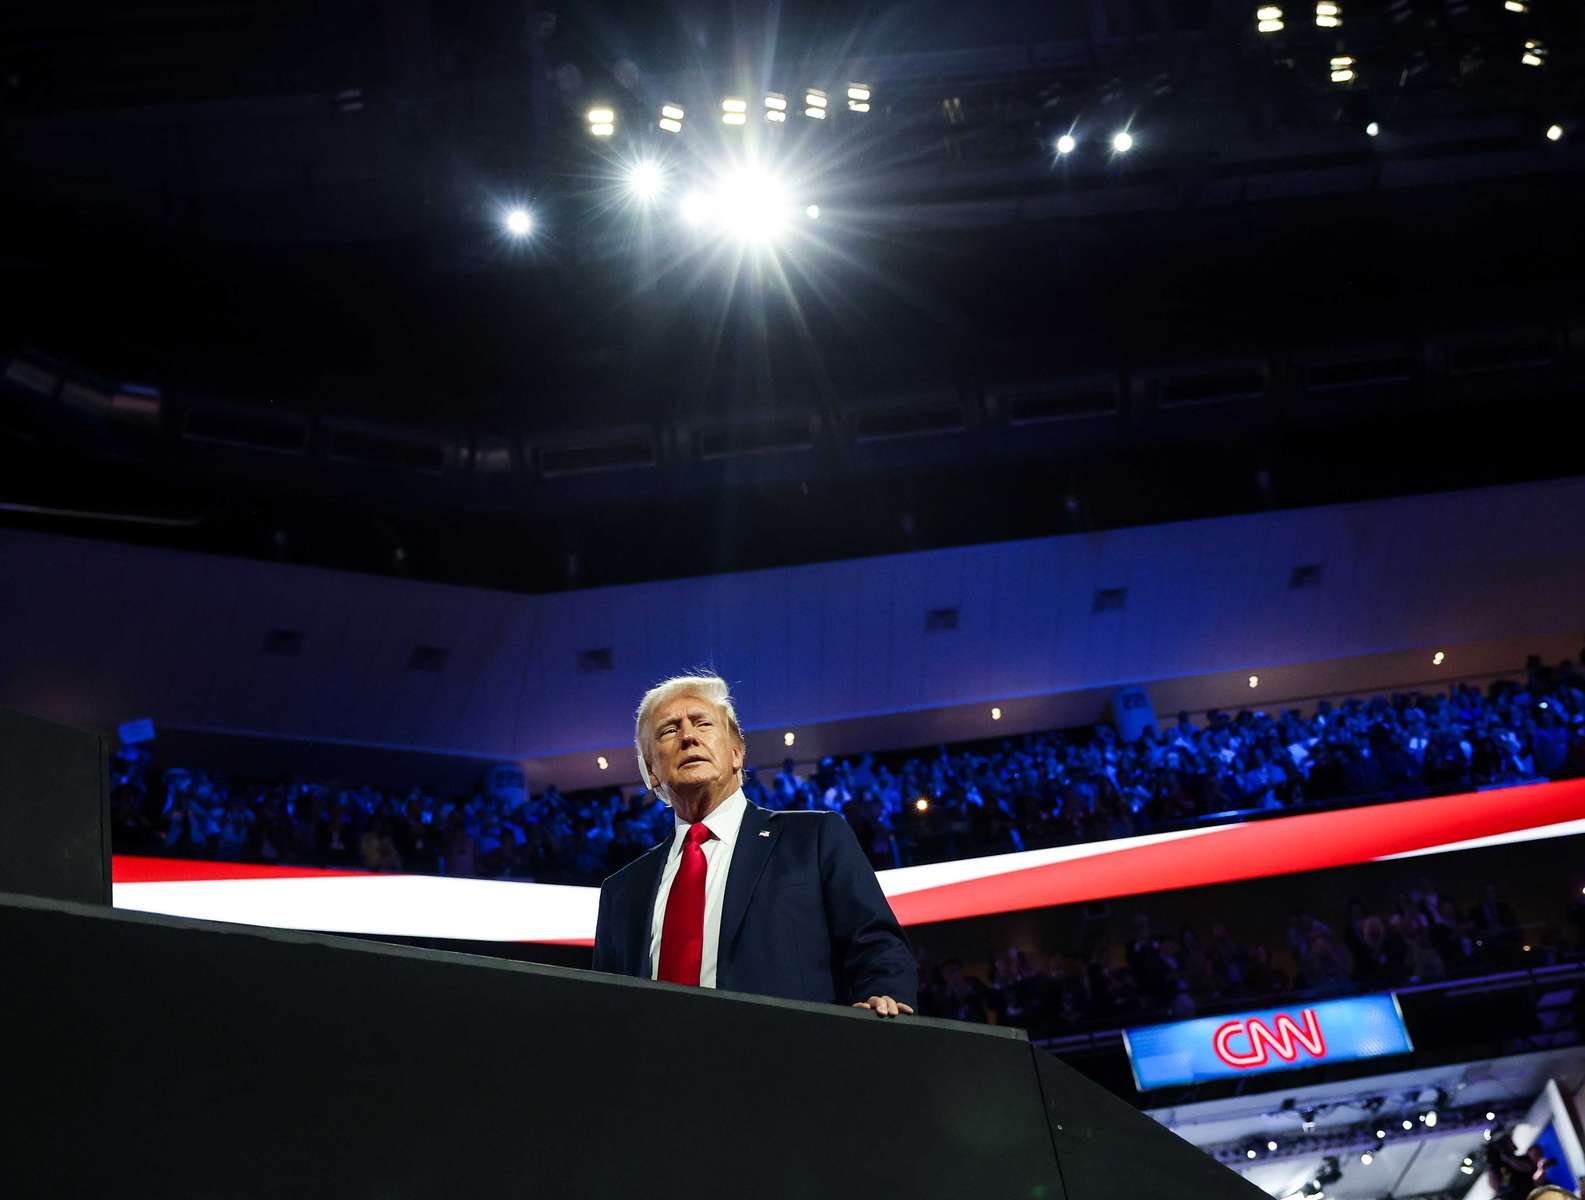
(1038, 790)
(1133, 975)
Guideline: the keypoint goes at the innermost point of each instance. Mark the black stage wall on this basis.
(154, 1056)
(54, 811)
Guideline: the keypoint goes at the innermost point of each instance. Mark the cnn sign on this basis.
(1272, 1039)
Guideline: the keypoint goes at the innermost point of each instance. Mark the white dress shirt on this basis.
(724, 822)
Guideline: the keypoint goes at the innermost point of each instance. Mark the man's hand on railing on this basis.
(884, 1006)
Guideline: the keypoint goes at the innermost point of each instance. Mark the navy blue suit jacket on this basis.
(803, 917)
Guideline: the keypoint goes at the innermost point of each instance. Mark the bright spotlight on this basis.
(671, 118)
(519, 223)
(1535, 54)
(1254, 681)
(602, 762)
(858, 98)
(695, 208)
(922, 804)
(602, 122)
(1066, 144)
(645, 181)
(752, 206)
(812, 212)
(1343, 68)
(1554, 133)
(815, 104)
(788, 738)
(996, 714)
(1123, 142)
(1517, 6)
(1328, 14)
(1372, 129)
(1366, 1158)
(1268, 19)
(776, 108)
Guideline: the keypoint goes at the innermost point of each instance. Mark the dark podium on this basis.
(157, 1056)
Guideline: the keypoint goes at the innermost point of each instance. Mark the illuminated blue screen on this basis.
(1269, 1039)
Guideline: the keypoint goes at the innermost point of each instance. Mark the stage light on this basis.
(519, 223)
(1527, 949)
(645, 181)
(922, 804)
(1328, 14)
(1066, 144)
(1535, 54)
(1372, 129)
(1343, 68)
(1254, 681)
(857, 91)
(1272, 1146)
(1491, 1116)
(815, 114)
(1407, 1124)
(1517, 6)
(602, 762)
(1381, 1135)
(694, 208)
(1467, 1166)
(815, 104)
(776, 108)
(752, 205)
(1430, 1119)
(1251, 1152)
(1268, 19)
(1438, 659)
(602, 121)
(1123, 142)
(1554, 133)
(996, 714)
(671, 118)
(1366, 1158)
(734, 111)
(788, 738)
(812, 212)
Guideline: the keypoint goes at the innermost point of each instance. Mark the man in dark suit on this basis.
(740, 897)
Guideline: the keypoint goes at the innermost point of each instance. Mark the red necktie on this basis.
(682, 932)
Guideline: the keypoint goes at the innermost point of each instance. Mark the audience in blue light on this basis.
(1021, 793)
(1131, 974)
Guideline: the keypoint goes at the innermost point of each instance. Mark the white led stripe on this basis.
(394, 905)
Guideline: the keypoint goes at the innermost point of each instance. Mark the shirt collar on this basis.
(724, 822)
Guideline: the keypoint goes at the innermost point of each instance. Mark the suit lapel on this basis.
(748, 863)
(643, 917)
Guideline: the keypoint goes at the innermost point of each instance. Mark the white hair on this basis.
(707, 686)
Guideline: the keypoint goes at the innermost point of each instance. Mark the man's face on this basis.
(691, 748)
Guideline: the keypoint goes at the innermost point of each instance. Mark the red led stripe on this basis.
(1256, 850)
(137, 868)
